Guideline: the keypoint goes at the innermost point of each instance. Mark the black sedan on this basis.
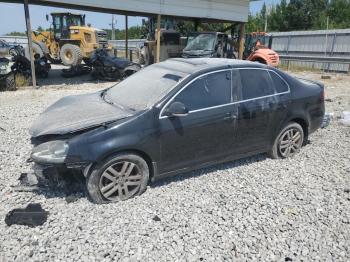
(172, 117)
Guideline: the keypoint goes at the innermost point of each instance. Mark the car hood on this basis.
(75, 113)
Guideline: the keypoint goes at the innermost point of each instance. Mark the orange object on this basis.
(258, 51)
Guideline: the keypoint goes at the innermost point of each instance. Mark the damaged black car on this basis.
(173, 117)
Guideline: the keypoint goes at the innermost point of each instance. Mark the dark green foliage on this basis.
(302, 15)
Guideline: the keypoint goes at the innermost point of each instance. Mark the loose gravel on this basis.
(252, 209)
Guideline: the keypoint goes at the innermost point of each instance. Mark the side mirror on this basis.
(47, 17)
(176, 109)
(143, 21)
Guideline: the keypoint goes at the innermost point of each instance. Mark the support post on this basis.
(30, 45)
(158, 38)
(241, 40)
(113, 29)
(126, 36)
(196, 25)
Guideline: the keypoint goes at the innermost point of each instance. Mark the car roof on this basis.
(193, 65)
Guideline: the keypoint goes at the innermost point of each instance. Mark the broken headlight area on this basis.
(54, 152)
(57, 176)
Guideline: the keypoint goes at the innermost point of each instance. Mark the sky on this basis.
(12, 17)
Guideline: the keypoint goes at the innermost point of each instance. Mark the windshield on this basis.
(74, 20)
(144, 88)
(204, 42)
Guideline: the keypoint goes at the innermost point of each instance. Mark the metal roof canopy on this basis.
(207, 10)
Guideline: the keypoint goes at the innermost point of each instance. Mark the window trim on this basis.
(223, 105)
(194, 79)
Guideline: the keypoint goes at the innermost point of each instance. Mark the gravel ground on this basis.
(252, 209)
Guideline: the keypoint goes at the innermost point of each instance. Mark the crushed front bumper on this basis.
(56, 176)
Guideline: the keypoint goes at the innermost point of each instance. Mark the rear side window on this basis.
(280, 85)
(255, 83)
(207, 91)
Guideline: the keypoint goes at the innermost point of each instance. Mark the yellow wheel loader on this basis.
(69, 41)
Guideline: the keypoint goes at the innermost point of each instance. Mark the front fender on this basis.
(100, 143)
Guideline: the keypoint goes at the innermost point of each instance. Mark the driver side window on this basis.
(207, 91)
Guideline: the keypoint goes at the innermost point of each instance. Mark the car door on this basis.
(256, 96)
(279, 103)
(205, 134)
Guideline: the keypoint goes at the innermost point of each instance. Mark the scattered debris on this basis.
(27, 183)
(347, 190)
(77, 70)
(71, 198)
(324, 77)
(28, 179)
(2, 129)
(345, 118)
(156, 218)
(110, 68)
(327, 119)
(33, 215)
(288, 259)
(329, 100)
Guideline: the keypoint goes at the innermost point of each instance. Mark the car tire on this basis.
(11, 83)
(118, 178)
(288, 142)
(71, 55)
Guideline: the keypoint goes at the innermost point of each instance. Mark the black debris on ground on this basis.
(156, 218)
(33, 215)
(71, 198)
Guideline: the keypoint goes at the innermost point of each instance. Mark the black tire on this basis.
(12, 52)
(109, 177)
(71, 55)
(10, 83)
(287, 139)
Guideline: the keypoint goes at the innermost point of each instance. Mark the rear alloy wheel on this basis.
(119, 178)
(288, 142)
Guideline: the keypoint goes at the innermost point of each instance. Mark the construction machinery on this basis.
(218, 44)
(258, 48)
(170, 41)
(208, 44)
(69, 40)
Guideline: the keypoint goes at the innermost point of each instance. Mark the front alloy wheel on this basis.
(120, 177)
(120, 181)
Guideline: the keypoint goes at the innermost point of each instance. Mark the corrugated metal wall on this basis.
(327, 43)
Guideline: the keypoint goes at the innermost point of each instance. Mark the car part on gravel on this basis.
(345, 118)
(22, 66)
(7, 78)
(110, 68)
(327, 120)
(33, 215)
(77, 70)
